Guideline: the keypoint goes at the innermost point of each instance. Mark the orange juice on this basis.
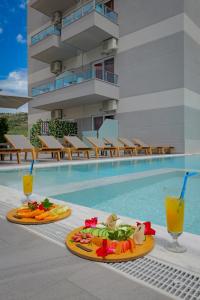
(28, 184)
(174, 214)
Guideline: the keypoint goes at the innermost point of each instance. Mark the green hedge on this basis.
(60, 128)
(3, 128)
(34, 132)
(57, 128)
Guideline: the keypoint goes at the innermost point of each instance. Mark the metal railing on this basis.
(75, 78)
(51, 30)
(86, 9)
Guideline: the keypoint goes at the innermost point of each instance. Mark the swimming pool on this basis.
(142, 198)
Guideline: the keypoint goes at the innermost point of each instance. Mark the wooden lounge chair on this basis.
(129, 144)
(99, 145)
(149, 149)
(77, 146)
(51, 145)
(120, 146)
(10, 151)
(20, 144)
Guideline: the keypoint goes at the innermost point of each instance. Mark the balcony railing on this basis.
(51, 30)
(74, 78)
(86, 9)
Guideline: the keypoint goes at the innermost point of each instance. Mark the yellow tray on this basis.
(139, 251)
(32, 221)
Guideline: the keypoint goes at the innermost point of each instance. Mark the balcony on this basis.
(47, 47)
(75, 88)
(89, 25)
(53, 5)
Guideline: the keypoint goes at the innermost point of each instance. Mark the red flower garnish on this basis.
(104, 250)
(41, 207)
(148, 230)
(91, 223)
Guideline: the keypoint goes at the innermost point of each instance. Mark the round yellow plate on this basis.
(139, 251)
(11, 216)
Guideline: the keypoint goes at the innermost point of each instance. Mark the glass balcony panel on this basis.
(77, 14)
(110, 14)
(67, 20)
(87, 8)
(75, 77)
(100, 8)
(45, 33)
(107, 12)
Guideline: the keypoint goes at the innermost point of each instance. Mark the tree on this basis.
(3, 128)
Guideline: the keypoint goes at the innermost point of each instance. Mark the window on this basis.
(98, 121)
(104, 70)
(109, 4)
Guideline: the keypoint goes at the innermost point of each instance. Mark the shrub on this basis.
(34, 132)
(3, 128)
(57, 128)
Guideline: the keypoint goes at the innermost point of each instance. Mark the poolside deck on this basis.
(35, 268)
(24, 251)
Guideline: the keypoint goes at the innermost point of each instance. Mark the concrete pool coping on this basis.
(188, 261)
(40, 164)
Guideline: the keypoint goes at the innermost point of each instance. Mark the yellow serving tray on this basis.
(32, 221)
(139, 251)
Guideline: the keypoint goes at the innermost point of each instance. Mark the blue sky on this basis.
(13, 47)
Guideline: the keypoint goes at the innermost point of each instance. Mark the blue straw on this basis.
(187, 175)
(31, 168)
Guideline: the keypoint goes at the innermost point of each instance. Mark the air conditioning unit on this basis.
(57, 18)
(110, 105)
(56, 67)
(56, 114)
(109, 46)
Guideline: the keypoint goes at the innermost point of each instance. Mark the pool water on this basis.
(140, 198)
(57, 176)
(143, 199)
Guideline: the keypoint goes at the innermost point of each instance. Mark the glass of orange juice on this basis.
(175, 221)
(28, 185)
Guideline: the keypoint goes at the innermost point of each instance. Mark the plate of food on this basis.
(111, 241)
(35, 213)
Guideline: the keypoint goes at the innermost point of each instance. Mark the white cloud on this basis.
(16, 83)
(20, 39)
(1, 30)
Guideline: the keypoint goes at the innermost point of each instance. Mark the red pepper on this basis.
(148, 230)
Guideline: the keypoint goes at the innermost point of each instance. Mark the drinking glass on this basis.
(175, 219)
(28, 186)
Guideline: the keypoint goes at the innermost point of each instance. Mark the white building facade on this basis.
(136, 61)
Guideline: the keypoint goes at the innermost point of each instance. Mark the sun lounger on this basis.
(77, 146)
(121, 146)
(129, 144)
(51, 145)
(99, 146)
(10, 151)
(20, 144)
(160, 149)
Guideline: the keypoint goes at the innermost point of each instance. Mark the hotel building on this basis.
(135, 61)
